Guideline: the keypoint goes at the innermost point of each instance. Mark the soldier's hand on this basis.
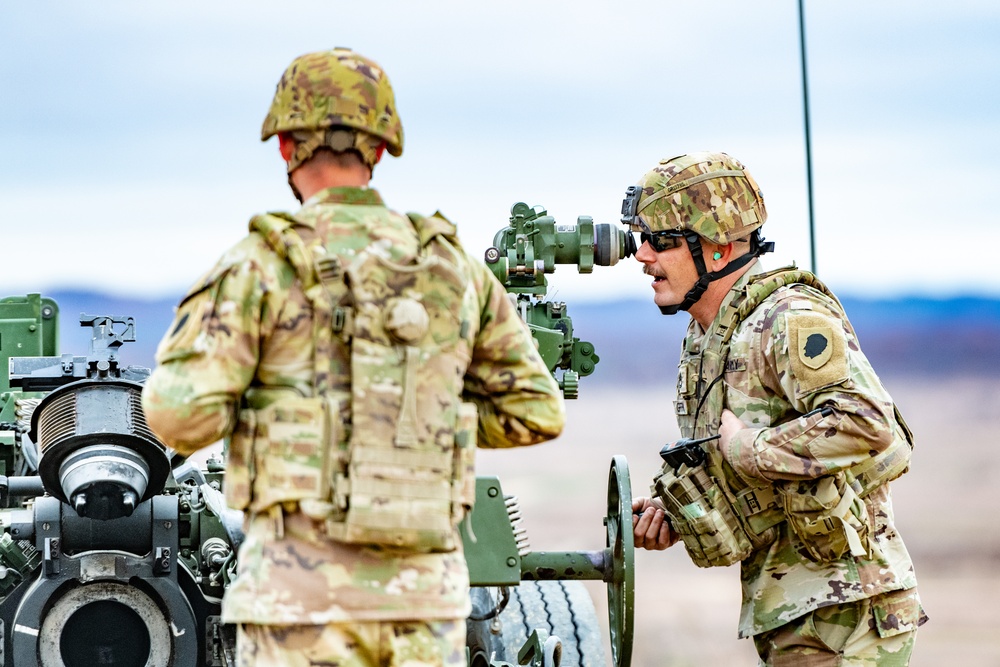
(727, 428)
(650, 528)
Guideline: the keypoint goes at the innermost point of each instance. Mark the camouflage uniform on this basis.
(243, 339)
(818, 425)
(245, 330)
(803, 423)
(428, 644)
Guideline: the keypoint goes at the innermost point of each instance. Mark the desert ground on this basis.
(686, 616)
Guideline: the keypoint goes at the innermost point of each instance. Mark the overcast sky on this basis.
(130, 154)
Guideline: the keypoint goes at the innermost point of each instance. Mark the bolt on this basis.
(128, 502)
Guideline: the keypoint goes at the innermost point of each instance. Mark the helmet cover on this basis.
(335, 88)
(711, 194)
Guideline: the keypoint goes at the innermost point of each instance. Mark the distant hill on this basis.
(905, 336)
(637, 345)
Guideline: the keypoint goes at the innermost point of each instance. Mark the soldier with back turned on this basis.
(352, 358)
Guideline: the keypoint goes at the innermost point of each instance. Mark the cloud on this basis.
(129, 153)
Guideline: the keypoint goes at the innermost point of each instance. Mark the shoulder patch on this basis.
(815, 346)
(817, 350)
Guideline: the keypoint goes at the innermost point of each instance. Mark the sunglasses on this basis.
(660, 241)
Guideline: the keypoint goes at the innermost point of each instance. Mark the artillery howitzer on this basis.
(114, 552)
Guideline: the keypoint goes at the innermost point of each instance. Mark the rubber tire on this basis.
(561, 608)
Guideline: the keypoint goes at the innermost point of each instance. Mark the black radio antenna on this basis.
(805, 108)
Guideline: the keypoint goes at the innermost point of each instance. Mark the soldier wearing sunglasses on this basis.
(790, 439)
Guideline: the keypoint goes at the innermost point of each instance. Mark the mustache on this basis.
(652, 271)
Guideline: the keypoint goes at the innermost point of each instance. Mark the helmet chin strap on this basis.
(757, 248)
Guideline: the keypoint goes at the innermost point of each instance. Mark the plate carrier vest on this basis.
(389, 462)
(721, 519)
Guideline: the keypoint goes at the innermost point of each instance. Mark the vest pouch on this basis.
(396, 479)
(291, 452)
(701, 514)
(827, 516)
(464, 475)
(398, 490)
(397, 499)
(240, 460)
(760, 508)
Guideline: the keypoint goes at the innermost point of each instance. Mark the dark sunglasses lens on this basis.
(660, 242)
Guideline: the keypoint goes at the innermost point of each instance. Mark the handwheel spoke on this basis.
(621, 584)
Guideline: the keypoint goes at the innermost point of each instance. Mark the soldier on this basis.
(802, 439)
(352, 358)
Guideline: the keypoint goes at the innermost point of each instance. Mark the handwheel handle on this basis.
(621, 583)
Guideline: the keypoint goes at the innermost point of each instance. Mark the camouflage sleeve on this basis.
(209, 355)
(519, 401)
(832, 410)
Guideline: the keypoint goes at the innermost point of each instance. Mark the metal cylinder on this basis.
(97, 453)
(105, 623)
(104, 480)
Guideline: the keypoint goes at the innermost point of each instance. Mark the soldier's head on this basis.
(699, 217)
(336, 101)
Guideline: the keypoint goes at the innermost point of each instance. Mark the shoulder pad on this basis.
(279, 233)
(232, 258)
(272, 222)
(208, 279)
(433, 225)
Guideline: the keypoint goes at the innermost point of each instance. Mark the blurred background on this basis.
(129, 151)
(130, 160)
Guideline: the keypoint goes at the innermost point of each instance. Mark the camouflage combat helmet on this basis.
(697, 196)
(322, 94)
(711, 194)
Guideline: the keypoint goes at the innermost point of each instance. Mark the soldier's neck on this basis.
(315, 175)
(706, 309)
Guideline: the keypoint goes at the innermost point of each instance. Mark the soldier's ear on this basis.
(719, 255)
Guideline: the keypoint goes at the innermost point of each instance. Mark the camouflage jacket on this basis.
(807, 416)
(245, 328)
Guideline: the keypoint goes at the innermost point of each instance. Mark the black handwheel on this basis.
(621, 584)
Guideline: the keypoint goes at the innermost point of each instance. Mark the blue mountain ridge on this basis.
(903, 336)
